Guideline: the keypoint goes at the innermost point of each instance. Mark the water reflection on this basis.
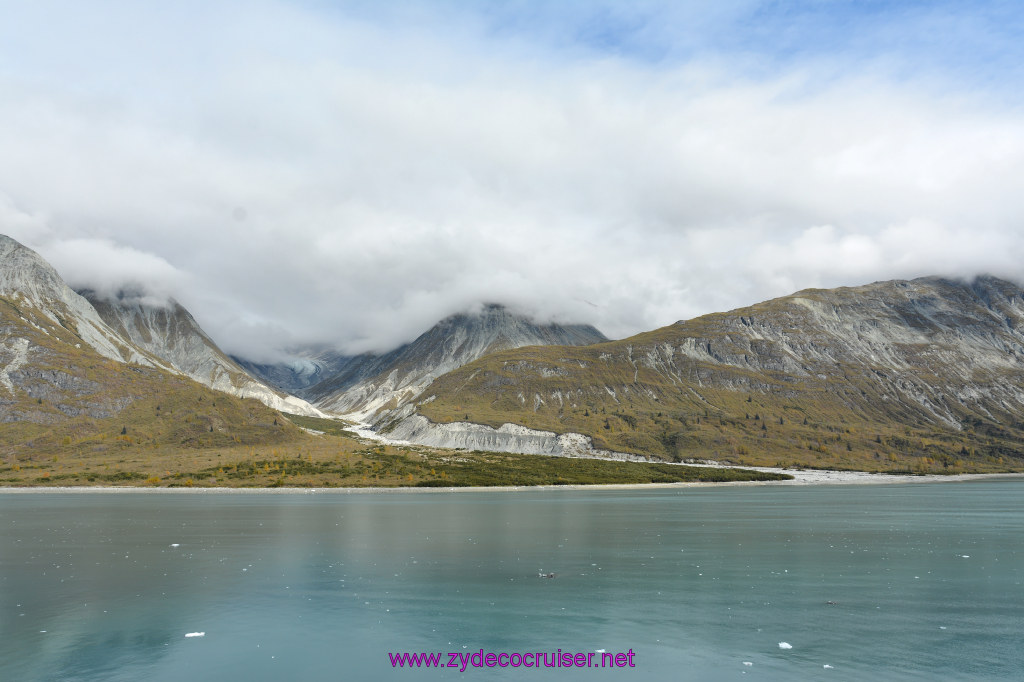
(104, 587)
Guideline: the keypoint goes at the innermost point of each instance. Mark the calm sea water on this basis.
(915, 582)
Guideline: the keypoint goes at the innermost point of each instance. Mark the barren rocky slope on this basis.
(168, 331)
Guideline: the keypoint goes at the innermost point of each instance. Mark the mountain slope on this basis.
(44, 301)
(170, 333)
(370, 382)
(926, 374)
(67, 380)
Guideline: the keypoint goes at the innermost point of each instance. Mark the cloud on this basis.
(351, 174)
(111, 269)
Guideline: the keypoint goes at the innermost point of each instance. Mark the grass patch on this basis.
(334, 427)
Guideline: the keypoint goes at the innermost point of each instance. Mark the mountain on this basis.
(925, 374)
(369, 382)
(37, 296)
(68, 379)
(166, 330)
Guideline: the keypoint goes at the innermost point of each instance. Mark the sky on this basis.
(348, 173)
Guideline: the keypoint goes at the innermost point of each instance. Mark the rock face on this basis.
(368, 383)
(925, 366)
(43, 299)
(169, 332)
(127, 330)
(52, 344)
(414, 428)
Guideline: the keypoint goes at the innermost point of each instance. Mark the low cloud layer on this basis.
(297, 175)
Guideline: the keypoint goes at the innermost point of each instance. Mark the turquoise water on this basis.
(925, 580)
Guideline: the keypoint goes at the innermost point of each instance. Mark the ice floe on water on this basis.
(785, 645)
(195, 634)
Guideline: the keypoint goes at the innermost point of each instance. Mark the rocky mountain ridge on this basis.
(368, 383)
(44, 301)
(127, 330)
(169, 332)
(919, 375)
(931, 369)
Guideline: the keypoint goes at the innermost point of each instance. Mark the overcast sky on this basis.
(350, 172)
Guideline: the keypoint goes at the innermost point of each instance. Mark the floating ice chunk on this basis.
(785, 645)
(195, 634)
(747, 663)
(827, 667)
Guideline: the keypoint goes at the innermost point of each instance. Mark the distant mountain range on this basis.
(922, 375)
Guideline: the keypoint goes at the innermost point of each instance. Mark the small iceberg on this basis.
(785, 645)
(827, 667)
(195, 634)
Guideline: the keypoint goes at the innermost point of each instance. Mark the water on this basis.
(925, 579)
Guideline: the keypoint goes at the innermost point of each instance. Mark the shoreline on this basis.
(802, 477)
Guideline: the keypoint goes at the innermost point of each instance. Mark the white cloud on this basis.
(108, 268)
(293, 176)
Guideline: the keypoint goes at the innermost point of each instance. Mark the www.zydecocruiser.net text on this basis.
(529, 659)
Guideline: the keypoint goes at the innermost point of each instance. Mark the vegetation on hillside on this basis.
(327, 460)
(72, 417)
(642, 396)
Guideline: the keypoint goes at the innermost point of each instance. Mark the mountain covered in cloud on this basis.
(168, 331)
(68, 379)
(130, 330)
(40, 298)
(920, 375)
(360, 385)
(305, 367)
